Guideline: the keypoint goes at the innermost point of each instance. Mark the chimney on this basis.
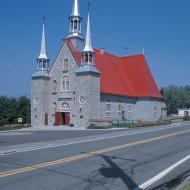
(102, 50)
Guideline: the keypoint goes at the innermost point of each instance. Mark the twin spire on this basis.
(75, 28)
(42, 60)
(88, 42)
(75, 13)
(43, 54)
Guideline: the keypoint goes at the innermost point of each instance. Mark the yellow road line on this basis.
(86, 155)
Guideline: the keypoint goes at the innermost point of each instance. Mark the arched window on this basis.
(54, 86)
(40, 64)
(75, 24)
(65, 84)
(55, 106)
(43, 64)
(71, 24)
(90, 58)
(86, 58)
(65, 107)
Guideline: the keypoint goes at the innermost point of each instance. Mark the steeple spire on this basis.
(88, 53)
(43, 54)
(42, 60)
(75, 11)
(88, 42)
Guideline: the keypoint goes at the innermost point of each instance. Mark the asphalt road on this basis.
(118, 160)
(12, 138)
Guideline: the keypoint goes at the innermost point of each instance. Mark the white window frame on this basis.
(119, 109)
(155, 111)
(108, 109)
(130, 109)
(65, 84)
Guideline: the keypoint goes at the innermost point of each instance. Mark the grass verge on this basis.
(13, 127)
(129, 125)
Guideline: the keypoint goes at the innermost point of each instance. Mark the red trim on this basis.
(101, 121)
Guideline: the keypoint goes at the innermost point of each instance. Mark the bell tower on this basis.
(40, 87)
(42, 60)
(75, 27)
(89, 79)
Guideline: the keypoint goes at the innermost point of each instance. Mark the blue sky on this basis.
(162, 27)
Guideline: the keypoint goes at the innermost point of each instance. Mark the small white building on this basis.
(184, 112)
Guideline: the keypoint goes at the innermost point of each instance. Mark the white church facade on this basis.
(86, 85)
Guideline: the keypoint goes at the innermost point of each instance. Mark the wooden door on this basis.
(67, 118)
(46, 119)
(57, 118)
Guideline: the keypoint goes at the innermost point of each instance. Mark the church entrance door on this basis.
(65, 118)
(62, 118)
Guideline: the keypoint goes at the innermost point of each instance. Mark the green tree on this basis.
(176, 97)
(24, 109)
(12, 108)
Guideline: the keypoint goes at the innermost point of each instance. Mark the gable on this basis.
(64, 53)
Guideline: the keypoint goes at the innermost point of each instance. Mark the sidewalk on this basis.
(55, 128)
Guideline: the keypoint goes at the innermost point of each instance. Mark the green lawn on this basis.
(185, 187)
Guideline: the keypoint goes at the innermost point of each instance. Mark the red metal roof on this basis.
(126, 76)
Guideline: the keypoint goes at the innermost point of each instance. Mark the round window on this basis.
(36, 100)
(82, 100)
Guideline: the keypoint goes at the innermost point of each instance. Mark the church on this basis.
(86, 85)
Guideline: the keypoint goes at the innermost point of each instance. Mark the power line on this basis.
(125, 46)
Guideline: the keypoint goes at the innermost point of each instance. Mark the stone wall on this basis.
(39, 100)
(134, 109)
